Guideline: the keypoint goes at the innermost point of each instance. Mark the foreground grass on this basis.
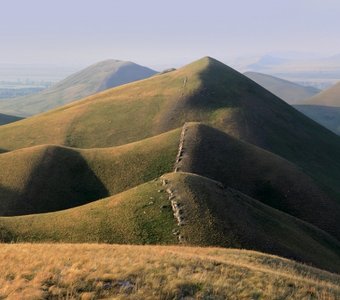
(93, 271)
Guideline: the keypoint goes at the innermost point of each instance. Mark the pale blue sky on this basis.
(158, 33)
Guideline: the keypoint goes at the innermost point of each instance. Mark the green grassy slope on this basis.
(141, 215)
(49, 177)
(206, 91)
(288, 91)
(91, 80)
(212, 216)
(156, 272)
(259, 174)
(6, 119)
(329, 97)
(327, 116)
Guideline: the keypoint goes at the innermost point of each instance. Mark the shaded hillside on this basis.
(211, 215)
(6, 119)
(327, 116)
(259, 174)
(95, 78)
(206, 91)
(48, 178)
(156, 272)
(288, 91)
(329, 97)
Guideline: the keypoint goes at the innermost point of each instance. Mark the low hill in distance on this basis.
(288, 91)
(129, 272)
(207, 214)
(329, 97)
(95, 78)
(6, 119)
(320, 72)
(50, 177)
(327, 116)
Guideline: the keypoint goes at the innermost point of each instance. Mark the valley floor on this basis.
(92, 271)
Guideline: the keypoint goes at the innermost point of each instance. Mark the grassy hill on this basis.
(206, 91)
(210, 216)
(327, 116)
(155, 272)
(93, 79)
(288, 91)
(50, 177)
(259, 174)
(329, 97)
(263, 151)
(6, 119)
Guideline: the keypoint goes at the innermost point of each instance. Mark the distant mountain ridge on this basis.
(329, 97)
(288, 91)
(93, 79)
(327, 116)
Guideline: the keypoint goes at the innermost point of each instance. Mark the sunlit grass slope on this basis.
(49, 177)
(211, 216)
(50, 271)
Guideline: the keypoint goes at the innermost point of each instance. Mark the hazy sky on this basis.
(158, 33)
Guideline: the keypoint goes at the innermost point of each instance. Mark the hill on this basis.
(93, 79)
(6, 119)
(288, 91)
(321, 72)
(329, 97)
(259, 174)
(327, 116)
(205, 214)
(204, 91)
(50, 177)
(155, 272)
(30, 178)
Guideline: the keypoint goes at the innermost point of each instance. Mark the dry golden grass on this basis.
(94, 271)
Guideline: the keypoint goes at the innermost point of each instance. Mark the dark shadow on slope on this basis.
(62, 180)
(238, 221)
(3, 151)
(259, 174)
(7, 197)
(6, 119)
(265, 120)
